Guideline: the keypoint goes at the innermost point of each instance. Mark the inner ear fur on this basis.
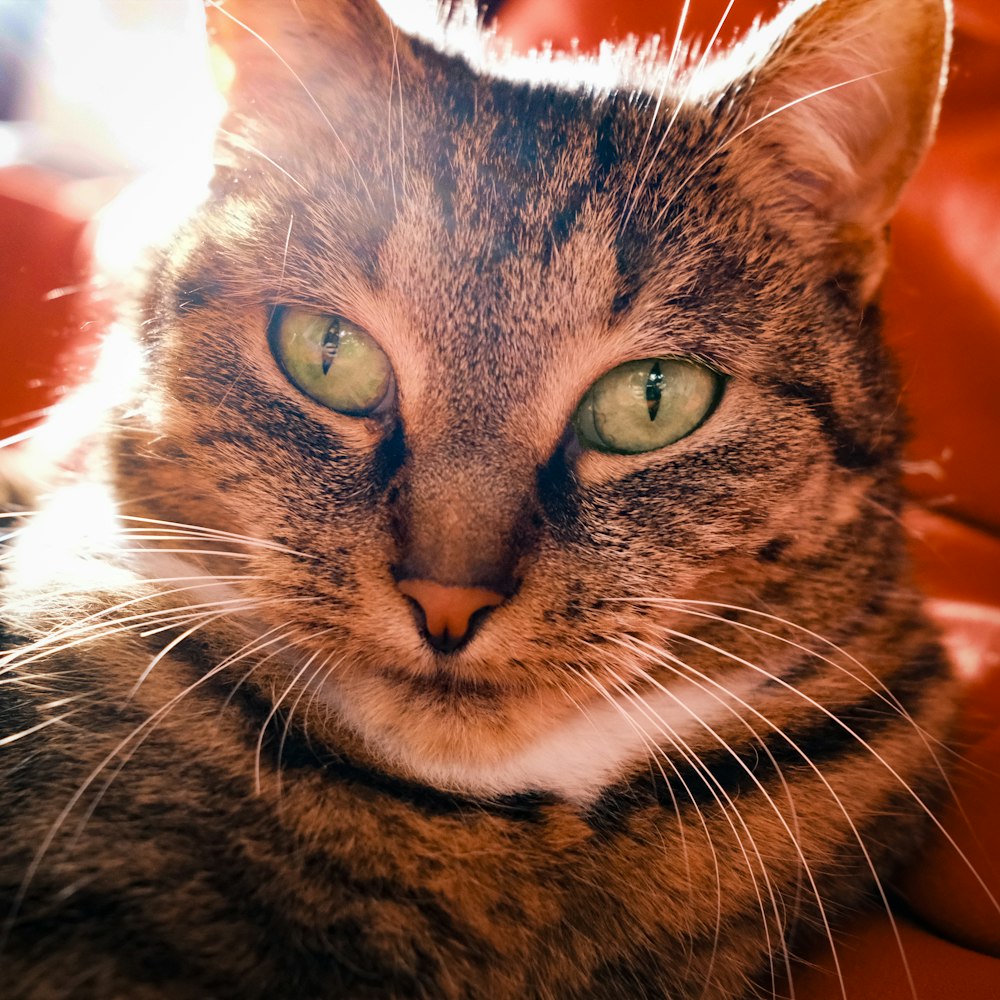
(845, 95)
(269, 40)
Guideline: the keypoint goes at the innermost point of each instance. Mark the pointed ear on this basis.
(275, 42)
(845, 93)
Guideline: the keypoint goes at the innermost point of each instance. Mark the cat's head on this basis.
(503, 360)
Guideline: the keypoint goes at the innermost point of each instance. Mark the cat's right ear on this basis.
(841, 103)
(292, 43)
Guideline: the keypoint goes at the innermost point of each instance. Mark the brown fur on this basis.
(342, 821)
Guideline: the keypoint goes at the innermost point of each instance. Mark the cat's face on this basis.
(505, 246)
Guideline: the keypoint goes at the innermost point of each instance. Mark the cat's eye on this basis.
(644, 405)
(332, 360)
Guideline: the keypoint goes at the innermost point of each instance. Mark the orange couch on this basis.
(943, 303)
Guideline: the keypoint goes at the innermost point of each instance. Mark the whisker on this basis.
(13, 439)
(402, 112)
(388, 123)
(726, 143)
(654, 754)
(242, 655)
(14, 737)
(208, 618)
(218, 532)
(833, 794)
(861, 742)
(668, 73)
(214, 580)
(885, 694)
(880, 690)
(275, 706)
(291, 712)
(42, 648)
(715, 788)
(710, 780)
(657, 656)
(157, 550)
(677, 110)
(249, 147)
(652, 749)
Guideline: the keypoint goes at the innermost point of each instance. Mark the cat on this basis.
(501, 591)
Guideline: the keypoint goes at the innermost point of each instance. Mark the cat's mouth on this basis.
(444, 684)
(446, 723)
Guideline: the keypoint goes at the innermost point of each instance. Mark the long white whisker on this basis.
(816, 770)
(295, 704)
(658, 656)
(198, 529)
(710, 781)
(170, 646)
(276, 704)
(677, 110)
(655, 753)
(158, 550)
(249, 147)
(259, 647)
(388, 123)
(861, 742)
(220, 533)
(726, 143)
(668, 73)
(40, 649)
(14, 737)
(214, 580)
(402, 113)
(19, 437)
(878, 688)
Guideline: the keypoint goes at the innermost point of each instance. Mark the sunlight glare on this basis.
(127, 88)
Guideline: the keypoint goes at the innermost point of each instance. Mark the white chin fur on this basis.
(594, 748)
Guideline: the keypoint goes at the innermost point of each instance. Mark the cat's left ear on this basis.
(844, 95)
(275, 43)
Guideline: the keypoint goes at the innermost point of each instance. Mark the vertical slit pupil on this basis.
(331, 342)
(653, 390)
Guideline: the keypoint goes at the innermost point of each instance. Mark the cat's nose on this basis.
(450, 614)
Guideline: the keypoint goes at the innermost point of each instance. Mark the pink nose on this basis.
(448, 611)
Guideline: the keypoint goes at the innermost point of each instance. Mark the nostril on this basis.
(450, 614)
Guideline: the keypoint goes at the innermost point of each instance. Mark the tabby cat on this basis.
(503, 594)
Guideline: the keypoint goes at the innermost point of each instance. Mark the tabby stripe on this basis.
(206, 844)
(293, 752)
(349, 962)
(144, 955)
(822, 740)
(848, 451)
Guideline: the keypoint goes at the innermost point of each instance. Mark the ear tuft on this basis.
(847, 93)
(270, 40)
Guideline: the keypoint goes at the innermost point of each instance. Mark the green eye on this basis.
(332, 360)
(644, 405)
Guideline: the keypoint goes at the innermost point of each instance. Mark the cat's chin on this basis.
(455, 733)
